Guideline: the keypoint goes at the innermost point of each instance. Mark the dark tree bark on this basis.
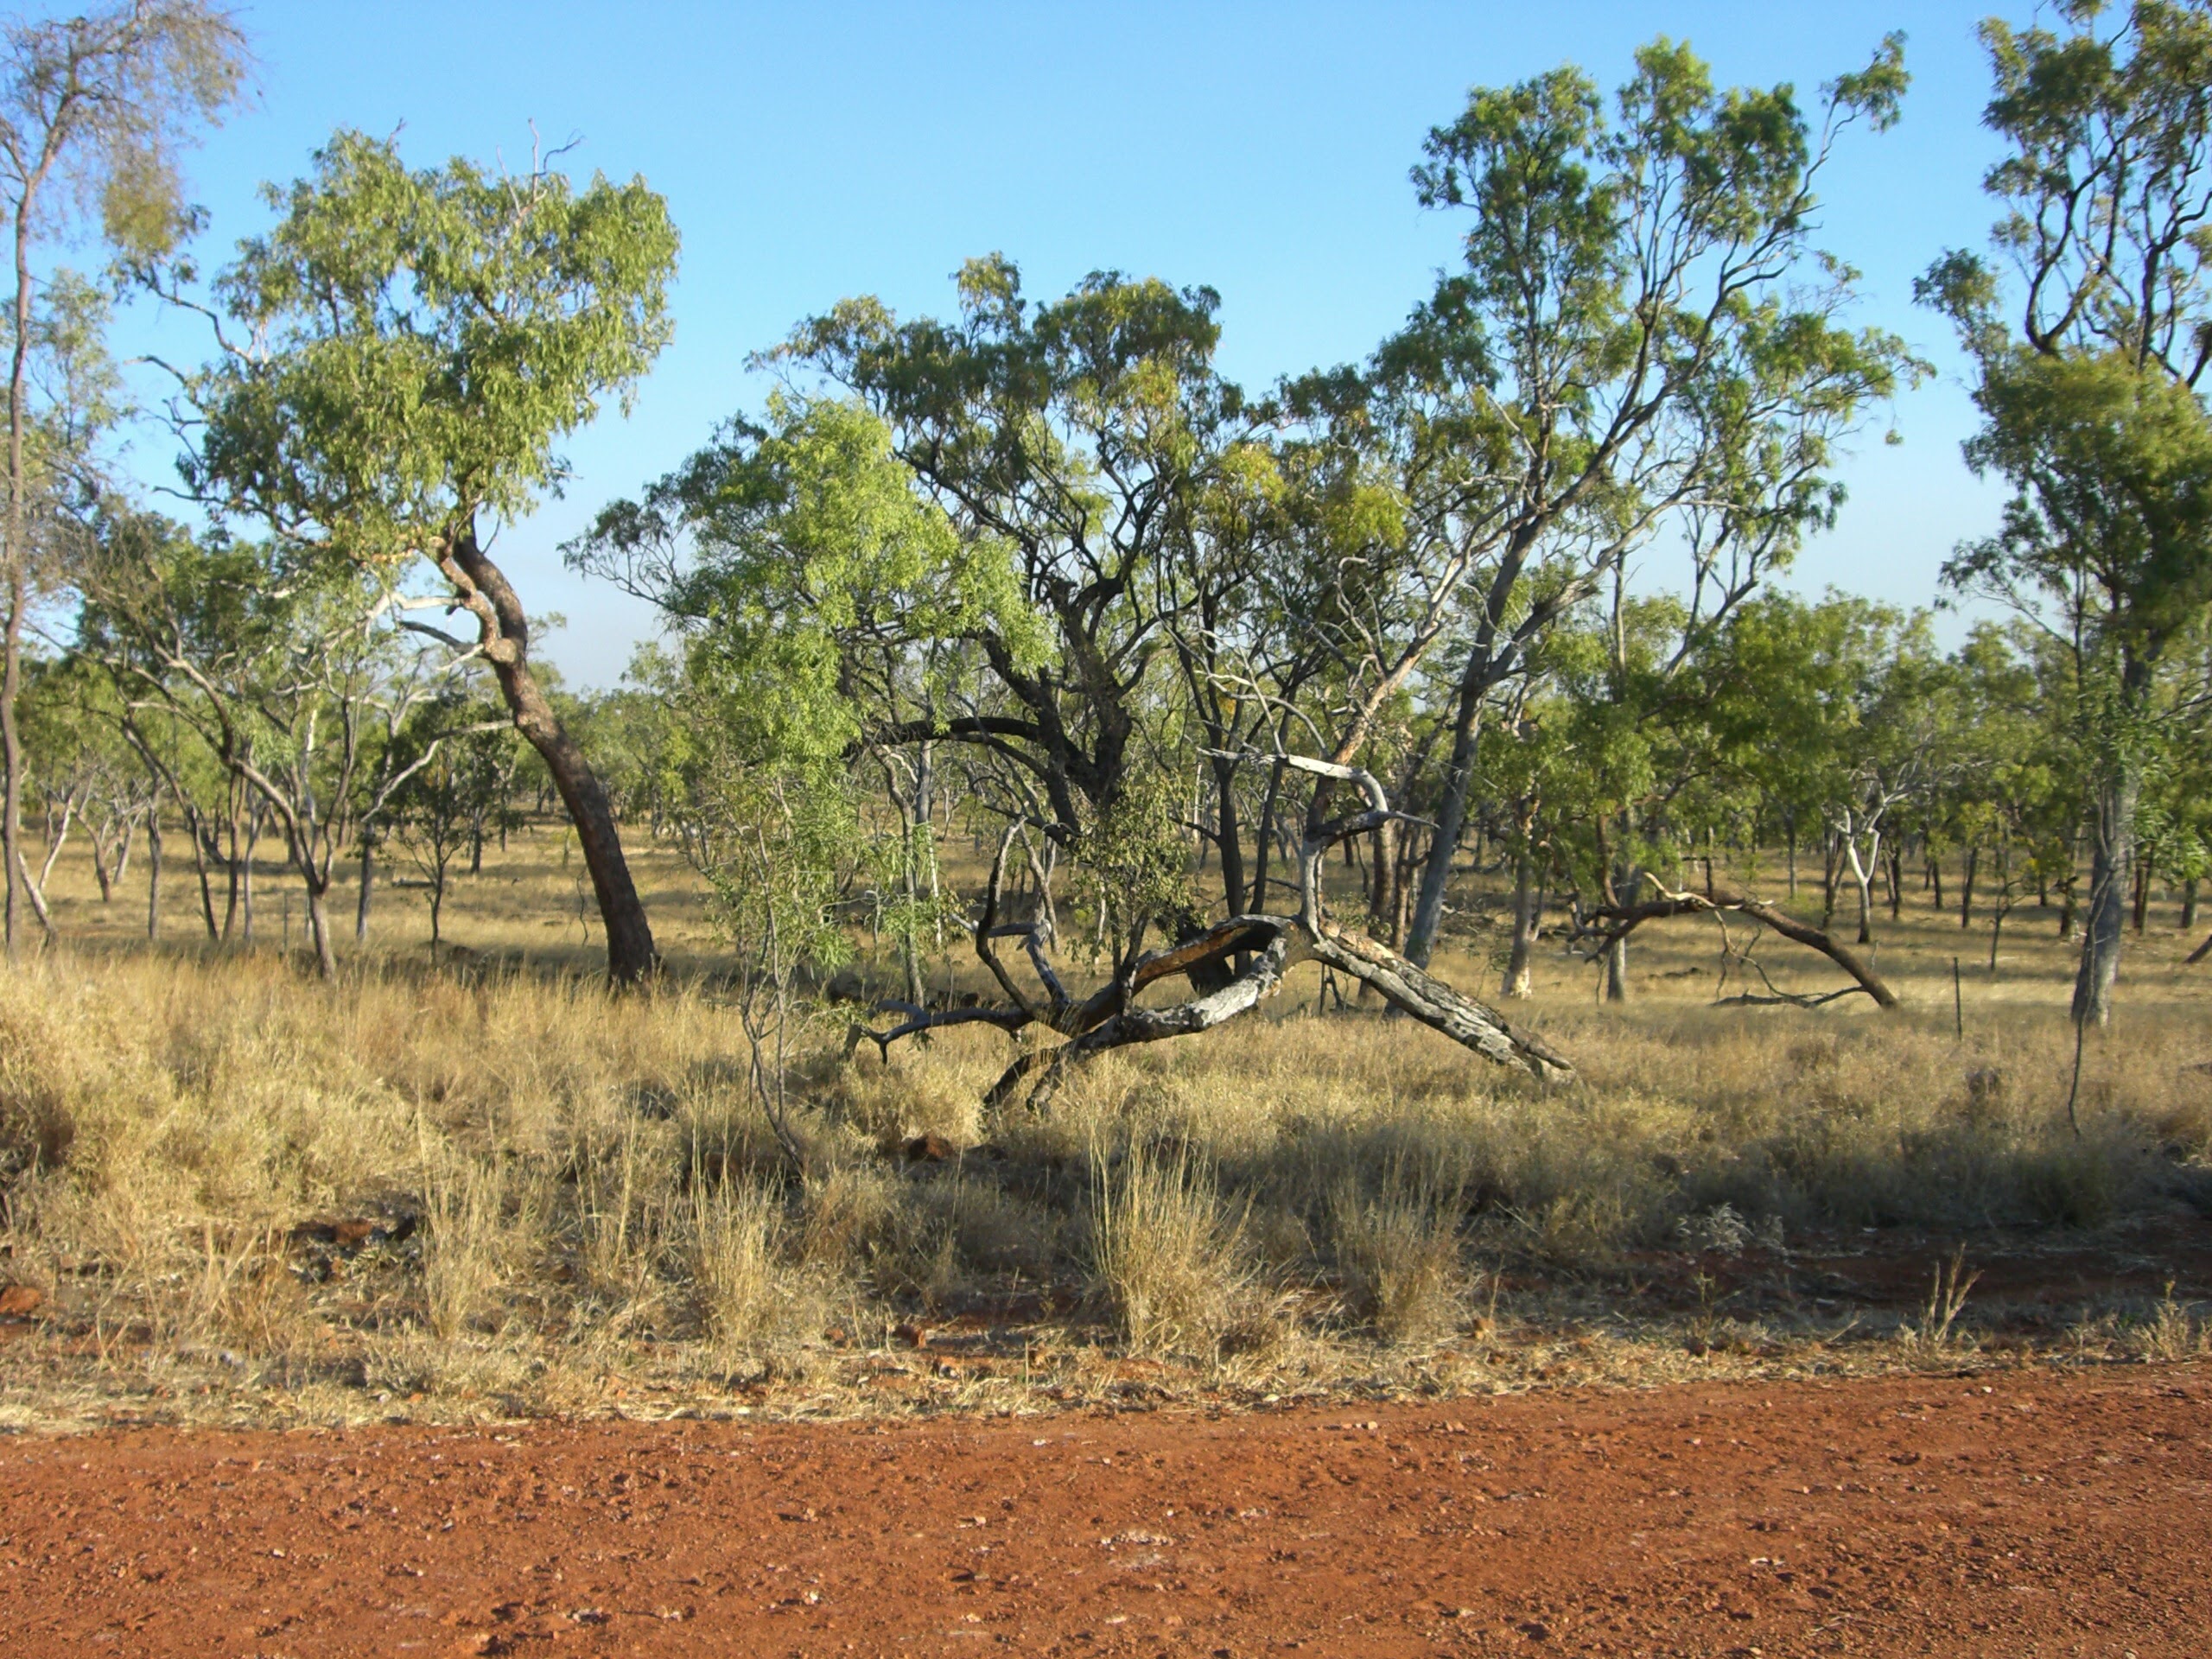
(153, 874)
(368, 882)
(504, 630)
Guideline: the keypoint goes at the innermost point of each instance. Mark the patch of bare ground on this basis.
(2024, 1512)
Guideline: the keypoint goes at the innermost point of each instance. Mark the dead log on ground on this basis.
(1270, 946)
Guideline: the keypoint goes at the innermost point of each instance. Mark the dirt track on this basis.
(2006, 1513)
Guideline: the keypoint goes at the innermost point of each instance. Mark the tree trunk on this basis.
(1965, 887)
(1897, 881)
(1527, 906)
(1831, 871)
(11, 816)
(1263, 843)
(153, 877)
(2142, 895)
(1936, 873)
(231, 878)
(1450, 820)
(503, 629)
(244, 859)
(2111, 866)
(2189, 905)
(1617, 971)
(11, 633)
(368, 880)
(197, 832)
(325, 960)
(1229, 836)
(437, 903)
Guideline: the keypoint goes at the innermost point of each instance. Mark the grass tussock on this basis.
(1165, 1255)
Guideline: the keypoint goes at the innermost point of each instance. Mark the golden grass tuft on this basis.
(1166, 1256)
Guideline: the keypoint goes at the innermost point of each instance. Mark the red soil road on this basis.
(2012, 1513)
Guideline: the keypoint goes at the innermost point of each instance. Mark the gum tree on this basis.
(94, 109)
(2089, 324)
(403, 353)
(1641, 334)
(972, 552)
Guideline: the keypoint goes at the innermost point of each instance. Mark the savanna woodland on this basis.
(1109, 884)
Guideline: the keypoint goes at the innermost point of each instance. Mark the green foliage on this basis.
(422, 341)
(1137, 854)
(810, 579)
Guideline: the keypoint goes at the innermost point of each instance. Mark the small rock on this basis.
(914, 1336)
(21, 1302)
(930, 1149)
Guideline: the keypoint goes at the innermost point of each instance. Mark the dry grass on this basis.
(1166, 1256)
(578, 1203)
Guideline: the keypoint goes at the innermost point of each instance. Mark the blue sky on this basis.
(809, 152)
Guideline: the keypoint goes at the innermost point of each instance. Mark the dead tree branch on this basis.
(1617, 922)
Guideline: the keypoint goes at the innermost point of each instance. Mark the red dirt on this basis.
(2018, 1513)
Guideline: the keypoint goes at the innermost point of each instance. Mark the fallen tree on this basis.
(1617, 922)
(1256, 952)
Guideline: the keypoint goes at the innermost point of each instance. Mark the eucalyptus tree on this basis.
(2089, 325)
(974, 546)
(94, 111)
(401, 356)
(295, 677)
(826, 610)
(454, 761)
(1641, 329)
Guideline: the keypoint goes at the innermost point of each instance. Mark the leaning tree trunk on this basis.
(2112, 868)
(1721, 896)
(504, 630)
